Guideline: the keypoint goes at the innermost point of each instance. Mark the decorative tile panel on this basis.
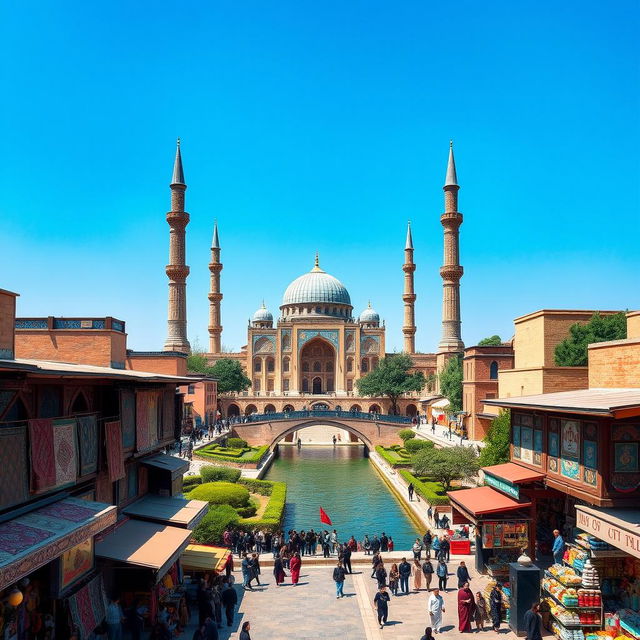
(285, 339)
(369, 344)
(328, 334)
(31, 324)
(116, 325)
(6, 354)
(350, 340)
(264, 343)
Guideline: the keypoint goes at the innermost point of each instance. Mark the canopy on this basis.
(34, 539)
(617, 526)
(144, 544)
(175, 511)
(484, 500)
(200, 557)
(441, 404)
(176, 466)
(514, 473)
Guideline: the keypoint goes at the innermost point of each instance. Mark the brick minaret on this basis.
(177, 270)
(215, 267)
(409, 296)
(451, 271)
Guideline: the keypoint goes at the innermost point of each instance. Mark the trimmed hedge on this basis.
(249, 511)
(237, 443)
(272, 516)
(417, 444)
(221, 493)
(254, 456)
(262, 487)
(395, 459)
(406, 434)
(189, 482)
(213, 525)
(211, 473)
(431, 491)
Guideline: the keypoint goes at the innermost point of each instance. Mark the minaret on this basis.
(409, 296)
(215, 267)
(451, 271)
(177, 270)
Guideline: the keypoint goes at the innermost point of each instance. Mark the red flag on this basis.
(324, 517)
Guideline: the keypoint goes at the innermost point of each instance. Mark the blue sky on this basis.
(320, 126)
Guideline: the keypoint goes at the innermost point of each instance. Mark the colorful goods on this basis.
(64, 447)
(14, 487)
(88, 439)
(87, 607)
(115, 463)
(43, 472)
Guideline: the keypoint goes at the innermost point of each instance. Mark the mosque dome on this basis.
(314, 287)
(262, 315)
(370, 316)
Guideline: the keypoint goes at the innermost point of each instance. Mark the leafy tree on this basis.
(414, 445)
(391, 378)
(231, 377)
(498, 438)
(197, 363)
(572, 351)
(491, 341)
(431, 380)
(406, 434)
(451, 383)
(447, 464)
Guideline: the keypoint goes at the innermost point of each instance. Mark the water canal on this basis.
(344, 483)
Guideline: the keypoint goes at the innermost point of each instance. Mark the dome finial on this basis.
(369, 304)
(316, 264)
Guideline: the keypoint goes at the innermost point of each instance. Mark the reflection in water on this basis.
(342, 482)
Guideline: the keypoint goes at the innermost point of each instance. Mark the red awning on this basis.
(514, 473)
(484, 500)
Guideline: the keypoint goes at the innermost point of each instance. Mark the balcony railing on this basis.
(320, 413)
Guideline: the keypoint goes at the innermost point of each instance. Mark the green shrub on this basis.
(272, 516)
(416, 444)
(254, 456)
(406, 434)
(394, 458)
(211, 473)
(261, 487)
(432, 492)
(221, 493)
(189, 482)
(212, 526)
(249, 511)
(236, 443)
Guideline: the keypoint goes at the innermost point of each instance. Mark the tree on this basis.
(197, 363)
(491, 341)
(498, 439)
(391, 378)
(231, 377)
(572, 351)
(451, 383)
(447, 464)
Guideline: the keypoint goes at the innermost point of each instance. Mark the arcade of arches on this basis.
(317, 367)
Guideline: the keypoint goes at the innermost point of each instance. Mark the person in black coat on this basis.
(381, 575)
(374, 564)
(384, 542)
(229, 599)
(375, 545)
(244, 634)
(495, 604)
(346, 559)
(404, 569)
(463, 574)
(533, 623)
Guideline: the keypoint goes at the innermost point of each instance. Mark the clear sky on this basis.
(320, 126)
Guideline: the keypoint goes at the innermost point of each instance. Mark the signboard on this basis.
(628, 541)
(502, 485)
(570, 439)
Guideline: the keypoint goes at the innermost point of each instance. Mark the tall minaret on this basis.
(451, 271)
(215, 267)
(409, 296)
(177, 270)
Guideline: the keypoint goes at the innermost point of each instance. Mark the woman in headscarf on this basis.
(466, 608)
(294, 566)
(278, 571)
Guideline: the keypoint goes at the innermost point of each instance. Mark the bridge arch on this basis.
(321, 422)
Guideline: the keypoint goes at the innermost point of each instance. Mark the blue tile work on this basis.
(60, 323)
(328, 334)
(285, 339)
(270, 338)
(350, 340)
(116, 325)
(31, 324)
(366, 345)
(117, 365)
(6, 354)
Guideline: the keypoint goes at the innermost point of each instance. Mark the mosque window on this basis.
(270, 384)
(285, 364)
(305, 366)
(374, 363)
(493, 371)
(285, 384)
(257, 365)
(271, 365)
(365, 365)
(318, 309)
(349, 364)
(329, 366)
(326, 309)
(305, 385)
(256, 385)
(349, 384)
(317, 366)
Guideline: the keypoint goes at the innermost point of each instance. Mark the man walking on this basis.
(426, 543)
(404, 569)
(229, 600)
(338, 578)
(410, 489)
(435, 607)
(427, 571)
(346, 559)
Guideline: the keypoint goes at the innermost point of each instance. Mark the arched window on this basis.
(285, 364)
(271, 364)
(305, 385)
(350, 384)
(305, 365)
(493, 371)
(285, 384)
(329, 367)
(364, 367)
(317, 367)
(349, 364)
(233, 410)
(257, 365)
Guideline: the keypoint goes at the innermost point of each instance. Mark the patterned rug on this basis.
(88, 439)
(64, 445)
(14, 478)
(168, 414)
(16, 537)
(88, 607)
(128, 418)
(115, 463)
(43, 470)
(146, 419)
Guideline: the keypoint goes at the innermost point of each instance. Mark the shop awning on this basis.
(174, 511)
(484, 501)
(144, 544)
(172, 464)
(34, 539)
(441, 404)
(514, 473)
(619, 527)
(200, 557)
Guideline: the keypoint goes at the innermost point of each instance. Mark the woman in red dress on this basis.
(294, 566)
(466, 608)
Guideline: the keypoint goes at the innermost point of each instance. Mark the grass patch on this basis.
(272, 516)
(246, 455)
(433, 492)
(396, 456)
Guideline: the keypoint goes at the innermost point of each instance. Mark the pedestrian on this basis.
(229, 600)
(200, 633)
(390, 544)
(384, 542)
(435, 545)
(495, 606)
(466, 608)
(244, 634)
(445, 548)
(228, 565)
(375, 545)
(334, 541)
(211, 631)
(346, 559)
(381, 605)
(114, 619)
(404, 569)
(427, 538)
(135, 617)
(246, 572)
(375, 560)
(394, 579)
(533, 622)
(417, 574)
(435, 607)
(366, 545)
(410, 489)
(428, 634)
(480, 614)
(558, 547)
(254, 564)
(463, 574)
(381, 575)
(429, 512)
(338, 578)
(443, 573)
(294, 566)
(278, 571)
(417, 549)
(427, 571)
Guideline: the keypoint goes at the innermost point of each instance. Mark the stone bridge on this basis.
(372, 429)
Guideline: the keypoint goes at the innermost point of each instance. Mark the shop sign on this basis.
(502, 485)
(620, 538)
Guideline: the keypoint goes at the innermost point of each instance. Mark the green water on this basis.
(343, 482)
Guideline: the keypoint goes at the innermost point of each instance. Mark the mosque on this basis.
(316, 350)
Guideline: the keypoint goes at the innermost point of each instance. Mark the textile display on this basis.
(14, 479)
(88, 439)
(5, 400)
(65, 451)
(168, 414)
(88, 607)
(128, 418)
(115, 463)
(146, 419)
(43, 472)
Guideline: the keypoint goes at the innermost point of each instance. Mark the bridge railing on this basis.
(318, 413)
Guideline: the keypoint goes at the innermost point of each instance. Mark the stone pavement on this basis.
(441, 436)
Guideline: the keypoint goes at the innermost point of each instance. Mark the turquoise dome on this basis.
(316, 286)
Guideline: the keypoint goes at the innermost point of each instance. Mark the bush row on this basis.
(189, 482)
(431, 491)
(272, 516)
(237, 443)
(414, 445)
(221, 493)
(211, 473)
(393, 458)
(257, 456)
